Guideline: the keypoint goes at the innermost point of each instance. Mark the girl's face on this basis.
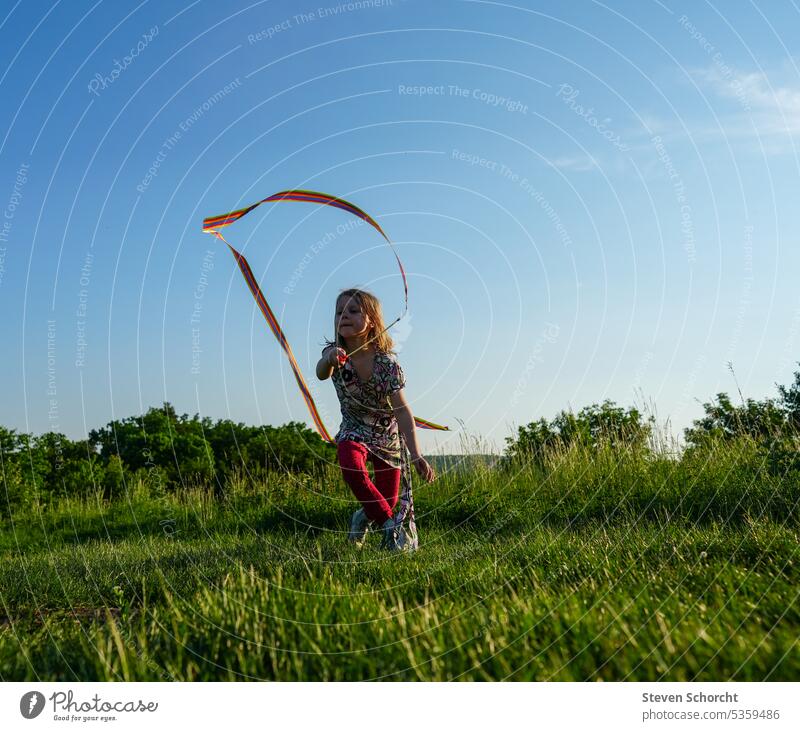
(350, 320)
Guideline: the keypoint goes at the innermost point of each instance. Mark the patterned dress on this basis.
(368, 418)
(367, 414)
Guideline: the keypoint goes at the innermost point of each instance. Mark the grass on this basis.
(595, 566)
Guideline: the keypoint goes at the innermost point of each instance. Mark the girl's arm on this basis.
(324, 368)
(326, 362)
(405, 421)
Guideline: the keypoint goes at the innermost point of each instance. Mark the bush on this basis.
(592, 427)
(767, 420)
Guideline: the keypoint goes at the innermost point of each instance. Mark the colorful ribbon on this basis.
(212, 225)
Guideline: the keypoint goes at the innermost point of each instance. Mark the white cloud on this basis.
(764, 117)
(580, 163)
(766, 110)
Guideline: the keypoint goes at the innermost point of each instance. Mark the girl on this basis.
(377, 423)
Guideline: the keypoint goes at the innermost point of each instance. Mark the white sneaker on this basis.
(359, 527)
(390, 536)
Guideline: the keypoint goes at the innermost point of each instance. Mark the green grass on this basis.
(602, 566)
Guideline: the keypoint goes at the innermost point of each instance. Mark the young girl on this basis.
(377, 423)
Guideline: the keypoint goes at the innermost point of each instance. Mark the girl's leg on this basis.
(353, 461)
(387, 480)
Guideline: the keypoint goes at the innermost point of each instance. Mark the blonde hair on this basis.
(371, 306)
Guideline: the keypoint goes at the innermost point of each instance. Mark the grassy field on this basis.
(601, 566)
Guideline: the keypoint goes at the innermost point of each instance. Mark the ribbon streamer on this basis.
(212, 225)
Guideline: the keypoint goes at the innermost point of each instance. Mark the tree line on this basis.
(165, 451)
(161, 449)
(772, 423)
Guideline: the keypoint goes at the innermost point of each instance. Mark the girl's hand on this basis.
(336, 356)
(424, 470)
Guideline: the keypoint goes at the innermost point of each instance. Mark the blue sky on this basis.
(591, 201)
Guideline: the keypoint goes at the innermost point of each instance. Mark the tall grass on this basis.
(598, 563)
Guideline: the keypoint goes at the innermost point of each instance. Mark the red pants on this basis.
(379, 497)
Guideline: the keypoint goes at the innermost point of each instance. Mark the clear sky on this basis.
(592, 201)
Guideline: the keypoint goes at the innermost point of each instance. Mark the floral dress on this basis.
(368, 418)
(367, 414)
